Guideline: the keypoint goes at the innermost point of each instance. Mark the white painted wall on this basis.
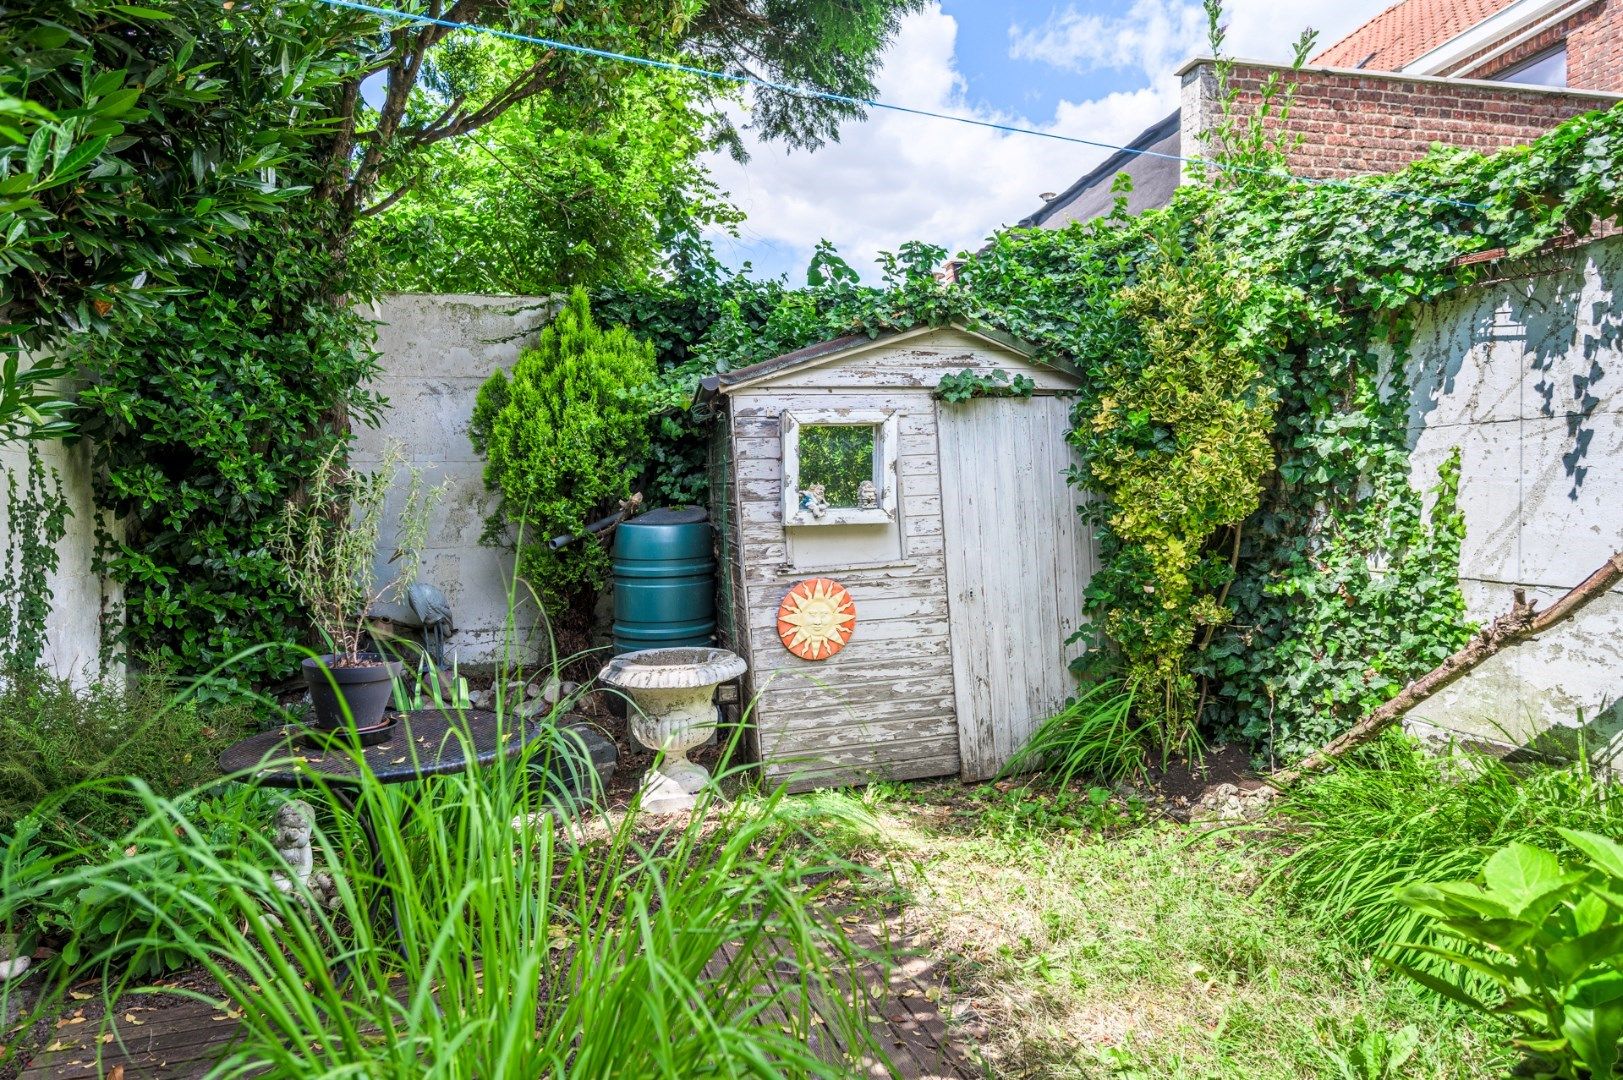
(436, 351)
(1526, 378)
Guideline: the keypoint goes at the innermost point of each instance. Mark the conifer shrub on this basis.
(564, 437)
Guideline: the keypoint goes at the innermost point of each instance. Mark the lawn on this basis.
(1091, 939)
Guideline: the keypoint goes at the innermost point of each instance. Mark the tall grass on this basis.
(529, 946)
(1395, 814)
(1093, 737)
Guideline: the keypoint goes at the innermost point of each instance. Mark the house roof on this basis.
(1154, 178)
(827, 351)
(1406, 31)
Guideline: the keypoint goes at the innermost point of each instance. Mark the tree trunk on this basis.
(1511, 628)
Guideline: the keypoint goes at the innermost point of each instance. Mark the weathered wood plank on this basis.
(922, 525)
(867, 633)
(919, 566)
(876, 737)
(1014, 592)
(772, 403)
(772, 657)
(931, 606)
(919, 465)
(944, 762)
(920, 369)
(852, 690)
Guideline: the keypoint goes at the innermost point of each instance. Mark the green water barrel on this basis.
(664, 580)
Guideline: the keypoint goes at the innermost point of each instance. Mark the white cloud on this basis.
(1153, 36)
(898, 177)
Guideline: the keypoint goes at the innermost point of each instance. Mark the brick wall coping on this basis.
(1402, 76)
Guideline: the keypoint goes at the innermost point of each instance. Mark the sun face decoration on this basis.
(816, 619)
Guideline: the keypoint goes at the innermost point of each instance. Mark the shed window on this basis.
(839, 468)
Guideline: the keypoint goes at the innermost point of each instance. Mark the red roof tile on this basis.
(1406, 31)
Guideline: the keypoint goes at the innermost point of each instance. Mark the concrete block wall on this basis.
(1358, 122)
(436, 351)
(1525, 377)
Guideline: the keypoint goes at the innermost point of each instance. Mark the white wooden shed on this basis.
(966, 559)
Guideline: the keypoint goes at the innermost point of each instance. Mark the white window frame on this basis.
(884, 466)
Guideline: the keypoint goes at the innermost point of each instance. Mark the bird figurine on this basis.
(433, 611)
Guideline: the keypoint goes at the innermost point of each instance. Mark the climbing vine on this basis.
(969, 384)
(36, 521)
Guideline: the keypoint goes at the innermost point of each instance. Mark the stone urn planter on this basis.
(671, 692)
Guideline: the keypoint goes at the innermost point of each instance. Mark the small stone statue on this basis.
(294, 823)
(12, 964)
(813, 500)
(867, 496)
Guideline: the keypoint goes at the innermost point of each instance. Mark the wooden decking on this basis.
(182, 1040)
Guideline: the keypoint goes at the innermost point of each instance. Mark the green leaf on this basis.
(1436, 985)
(1520, 875)
(1593, 1035)
(1604, 852)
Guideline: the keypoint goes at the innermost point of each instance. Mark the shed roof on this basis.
(825, 352)
(1406, 31)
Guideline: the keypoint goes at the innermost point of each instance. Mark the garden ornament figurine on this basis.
(867, 496)
(424, 612)
(293, 824)
(433, 612)
(813, 500)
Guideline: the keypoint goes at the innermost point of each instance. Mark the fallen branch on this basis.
(1515, 626)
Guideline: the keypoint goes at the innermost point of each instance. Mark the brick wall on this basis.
(1354, 122)
(1594, 38)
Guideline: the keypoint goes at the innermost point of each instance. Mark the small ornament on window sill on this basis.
(867, 496)
(814, 501)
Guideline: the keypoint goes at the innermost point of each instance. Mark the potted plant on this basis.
(327, 541)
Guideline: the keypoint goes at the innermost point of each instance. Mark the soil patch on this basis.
(1184, 784)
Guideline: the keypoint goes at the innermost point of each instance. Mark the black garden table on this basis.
(425, 744)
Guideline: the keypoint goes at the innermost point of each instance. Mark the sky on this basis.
(1096, 69)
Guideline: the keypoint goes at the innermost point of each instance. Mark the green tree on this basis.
(434, 92)
(563, 438)
(149, 156)
(161, 240)
(543, 198)
(136, 142)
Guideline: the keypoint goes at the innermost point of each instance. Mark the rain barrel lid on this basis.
(670, 515)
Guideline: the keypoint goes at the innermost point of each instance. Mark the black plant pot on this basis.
(363, 688)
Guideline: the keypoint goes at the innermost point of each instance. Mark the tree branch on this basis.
(388, 201)
(1517, 625)
(534, 79)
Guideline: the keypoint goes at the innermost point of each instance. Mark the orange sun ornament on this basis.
(816, 618)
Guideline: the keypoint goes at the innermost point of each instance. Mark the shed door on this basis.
(1018, 559)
